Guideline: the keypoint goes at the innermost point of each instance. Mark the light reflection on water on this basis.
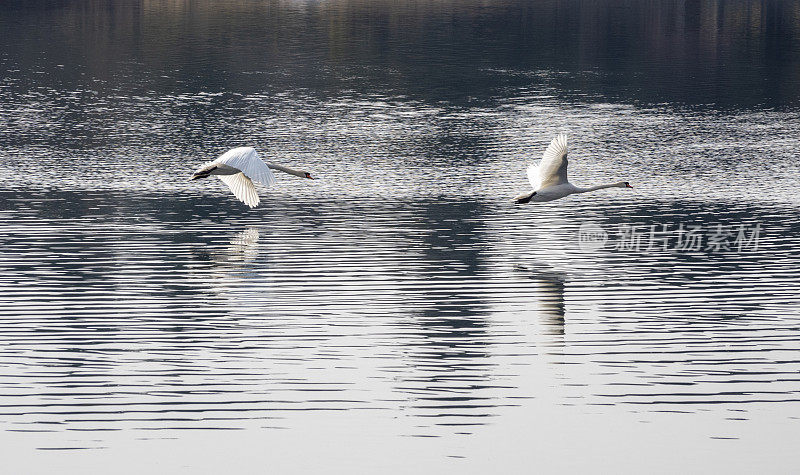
(438, 310)
(399, 308)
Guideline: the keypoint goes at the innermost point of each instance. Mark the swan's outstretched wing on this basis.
(247, 160)
(242, 187)
(552, 168)
(533, 176)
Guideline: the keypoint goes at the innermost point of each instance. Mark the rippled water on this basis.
(399, 313)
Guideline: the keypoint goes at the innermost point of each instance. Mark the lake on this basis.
(400, 314)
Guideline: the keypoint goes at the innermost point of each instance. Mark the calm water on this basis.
(399, 314)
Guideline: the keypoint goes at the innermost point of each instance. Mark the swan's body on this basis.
(549, 177)
(239, 168)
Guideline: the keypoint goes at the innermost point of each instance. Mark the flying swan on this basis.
(549, 176)
(239, 168)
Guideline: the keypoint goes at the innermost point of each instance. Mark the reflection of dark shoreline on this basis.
(447, 367)
(655, 47)
(455, 317)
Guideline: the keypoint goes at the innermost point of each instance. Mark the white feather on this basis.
(533, 175)
(242, 187)
(246, 160)
(552, 168)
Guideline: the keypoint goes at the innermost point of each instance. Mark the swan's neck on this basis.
(594, 188)
(290, 171)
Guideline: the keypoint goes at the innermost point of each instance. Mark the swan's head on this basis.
(307, 175)
(624, 184)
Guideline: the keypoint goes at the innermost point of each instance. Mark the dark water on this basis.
(399, 314)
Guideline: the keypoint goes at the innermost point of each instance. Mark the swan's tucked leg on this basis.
(215, 169)
(521, 199)
(203, 173)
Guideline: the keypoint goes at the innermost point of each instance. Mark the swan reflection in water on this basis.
(549, 286)
(243, 246)
(229, 266)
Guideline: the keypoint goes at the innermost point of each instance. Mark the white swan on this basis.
(239, 168)
(549, 177)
